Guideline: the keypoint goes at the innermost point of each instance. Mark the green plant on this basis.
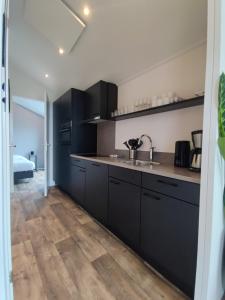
(221, 115)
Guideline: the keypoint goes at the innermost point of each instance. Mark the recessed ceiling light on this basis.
(61, 51)
(46, 75)
(86, 11)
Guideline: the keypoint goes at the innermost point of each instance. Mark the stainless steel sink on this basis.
(141, 162)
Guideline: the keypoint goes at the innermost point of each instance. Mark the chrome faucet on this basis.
(151, 149)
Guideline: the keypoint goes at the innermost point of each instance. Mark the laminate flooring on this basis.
(61, 253)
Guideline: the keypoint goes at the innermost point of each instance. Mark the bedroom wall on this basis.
(28, 133)
(23, 85)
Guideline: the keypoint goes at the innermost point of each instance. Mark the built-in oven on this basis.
(65, 133)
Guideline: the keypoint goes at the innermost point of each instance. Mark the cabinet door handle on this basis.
(151, 196)
(96, 165)
(167, 183)
(81, 170)
(114, 182)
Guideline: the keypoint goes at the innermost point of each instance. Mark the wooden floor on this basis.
(61, 253)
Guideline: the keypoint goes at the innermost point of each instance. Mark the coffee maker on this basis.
(196, 153)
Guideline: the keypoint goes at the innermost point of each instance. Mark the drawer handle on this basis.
(151, 196)
(81, 170)
(115, 182)
(96, 165)
(167, 183)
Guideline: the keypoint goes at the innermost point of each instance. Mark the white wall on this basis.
(23, 85)
(185, 75)
(28, 133)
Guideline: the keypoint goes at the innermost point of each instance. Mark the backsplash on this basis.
(106, 145)
(106, 138)
(162, 157)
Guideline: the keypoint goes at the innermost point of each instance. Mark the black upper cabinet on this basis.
(84, 136)
(101, 101)
(96, 201)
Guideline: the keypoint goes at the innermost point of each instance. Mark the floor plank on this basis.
(91, 248)
(54, 229)
(81, 216)
(28, 205)
(151, 283)
(65, 216)
(19, 233)
(110, 272)
(85, 277)
(27, 282)
(57, 282)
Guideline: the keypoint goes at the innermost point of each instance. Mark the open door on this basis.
(46, 144)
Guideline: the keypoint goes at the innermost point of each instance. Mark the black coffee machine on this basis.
(196, 153)
(182, 154)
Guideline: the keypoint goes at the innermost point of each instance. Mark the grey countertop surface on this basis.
(162, 169)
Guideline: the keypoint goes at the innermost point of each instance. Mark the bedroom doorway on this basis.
(28, 136)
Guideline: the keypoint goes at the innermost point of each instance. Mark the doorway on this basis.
(28, 137)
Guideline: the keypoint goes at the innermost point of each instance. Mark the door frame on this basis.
(46, 142)
(6, 287)
(211, 219)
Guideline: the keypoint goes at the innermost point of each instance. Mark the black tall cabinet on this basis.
(69, 110)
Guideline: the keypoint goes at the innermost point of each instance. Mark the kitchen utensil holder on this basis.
(132, 154)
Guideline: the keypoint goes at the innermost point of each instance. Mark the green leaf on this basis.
(221, 106)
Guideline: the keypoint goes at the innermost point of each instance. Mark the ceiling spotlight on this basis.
(61, 51)
(46, 75)
(86, 11)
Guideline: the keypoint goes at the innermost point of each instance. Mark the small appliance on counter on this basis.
(182, 154)
(196, 153)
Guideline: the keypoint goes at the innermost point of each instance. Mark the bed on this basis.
(22, 168)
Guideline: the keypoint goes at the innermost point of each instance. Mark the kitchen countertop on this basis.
(162, 169)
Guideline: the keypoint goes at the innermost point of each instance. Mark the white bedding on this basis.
(21, 164)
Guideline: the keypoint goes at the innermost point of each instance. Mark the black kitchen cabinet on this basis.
(186, 191)
(84, 136)
(169, 235)
(79, 162)
(101, 101)
(96, 201)
(130, 176)
(124, 210)
(77, 184)
(63, 168)
(68, 111)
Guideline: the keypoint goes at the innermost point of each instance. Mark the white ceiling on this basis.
(63, 30)
(122, 38)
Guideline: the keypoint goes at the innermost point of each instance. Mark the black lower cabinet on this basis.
(96, 201)
(77, 184)
(169, 234)
(124, 210)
